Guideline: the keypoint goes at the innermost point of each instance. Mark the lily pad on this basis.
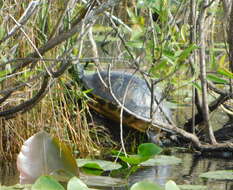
(145, 152)
(102, 181)
(171, 185)
(145, 185)
(193, 187)
(48, 183)
(219, 174)
(159, 160)
(75, 183)
(98, 164)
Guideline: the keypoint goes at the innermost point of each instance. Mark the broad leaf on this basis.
(48, 183)
(171, 185)
(161, 160)
(98, 164)
(134, 159)
(145, 185)
(149, 149)
(220, 174)
(145, 152)
(42, 155)
(102, 181)
(75, 183)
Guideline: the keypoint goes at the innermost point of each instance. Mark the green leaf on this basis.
(225, 72)
(98, 164)
(195, 84)
(133, 159)
(48, 183)
(75, 183)
(148, 149)
(216, 79)
(220, 174)
(171, 185)
(102, 181)
(186, 53)
(193, 187)
(2, 32)
(162, 160)
(145, 151)
(145, 185)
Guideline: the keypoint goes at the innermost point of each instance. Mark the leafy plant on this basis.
(145, 151)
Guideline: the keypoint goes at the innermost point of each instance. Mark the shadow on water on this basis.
(185, 173)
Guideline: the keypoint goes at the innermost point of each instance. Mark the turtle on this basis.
(127, 90)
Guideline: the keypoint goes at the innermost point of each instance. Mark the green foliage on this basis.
(171, 185)
(75, 183)
(160, 160)
(48, 183)
(98, 164)
(145, 151)
(145, 185)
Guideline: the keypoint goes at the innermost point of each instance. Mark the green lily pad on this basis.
(159, 160)
(171, 185)
(193, 187)
(75, 183)
(220, 175)
(145, 152)
(148, 149)
(145, 185)
(48, 183)
(98, 164)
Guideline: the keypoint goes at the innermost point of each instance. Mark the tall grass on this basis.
(55, 113)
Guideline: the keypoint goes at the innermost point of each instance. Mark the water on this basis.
(185, 173)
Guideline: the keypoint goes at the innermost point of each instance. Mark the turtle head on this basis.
(77, 71)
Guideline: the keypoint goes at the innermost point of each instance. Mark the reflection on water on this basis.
(185, 173)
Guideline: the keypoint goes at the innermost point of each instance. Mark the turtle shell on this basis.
(137, 98)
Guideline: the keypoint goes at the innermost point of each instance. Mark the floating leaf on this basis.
(75, 183)
(192, 187)
(98, 164)
(42, 155)
(145, 152)
(134, 159)
(102, 181)
(171, 185)
(149, 149)
(48, 183)
(145, 185)
(162, 160)
(220, 174)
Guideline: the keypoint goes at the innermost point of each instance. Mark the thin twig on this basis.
(23, 19)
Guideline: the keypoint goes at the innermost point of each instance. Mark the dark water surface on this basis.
(185, 173)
